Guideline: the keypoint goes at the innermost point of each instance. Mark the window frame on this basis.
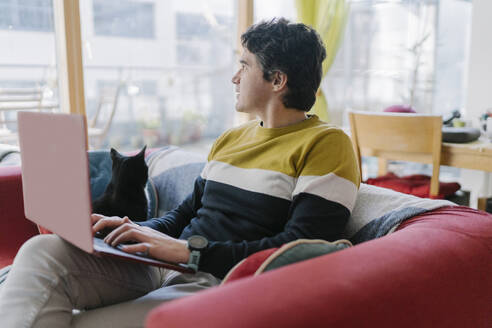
(69, 50)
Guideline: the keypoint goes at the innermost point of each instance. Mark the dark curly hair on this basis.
(293, 49)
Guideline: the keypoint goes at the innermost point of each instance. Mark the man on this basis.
(283, 177)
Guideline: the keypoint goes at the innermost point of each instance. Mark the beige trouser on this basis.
(50, 278)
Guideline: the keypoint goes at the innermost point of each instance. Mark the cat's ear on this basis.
(142, 152)
(114, 153)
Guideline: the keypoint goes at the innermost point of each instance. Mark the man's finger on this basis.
(143, 248)
(117, 230)
(126, 234)
(107, 222)
(96, 217)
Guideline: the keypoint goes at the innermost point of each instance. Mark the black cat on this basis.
(125, 193)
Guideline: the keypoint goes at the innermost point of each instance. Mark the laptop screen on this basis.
(55, 174)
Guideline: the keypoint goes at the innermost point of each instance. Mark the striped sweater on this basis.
(263, 187)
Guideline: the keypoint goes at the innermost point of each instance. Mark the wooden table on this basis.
(475, 155)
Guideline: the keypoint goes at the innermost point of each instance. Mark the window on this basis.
(176, 85)
(26, 15)
(199, 38)
(402, 52)
(192, 53)
(28, 70)
(191, 26)
(123, 18)
(265, 10)
(395, 52)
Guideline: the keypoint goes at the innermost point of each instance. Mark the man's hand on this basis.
(146, 240)
(106, 223)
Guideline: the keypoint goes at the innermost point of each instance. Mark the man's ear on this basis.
(279, 81)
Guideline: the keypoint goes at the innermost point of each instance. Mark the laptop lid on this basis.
(56, 185)
(55, 174)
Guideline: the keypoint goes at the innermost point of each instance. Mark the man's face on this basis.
(252, 90)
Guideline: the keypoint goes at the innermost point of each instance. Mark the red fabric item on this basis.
(399, 109)
(249, 265)
(14, 227)
(417, 185)
(435, 271)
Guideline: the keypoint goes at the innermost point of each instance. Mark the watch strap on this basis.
(194, 260)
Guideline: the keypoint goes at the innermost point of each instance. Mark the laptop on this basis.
(56, 184)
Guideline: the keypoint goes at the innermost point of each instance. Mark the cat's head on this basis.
(129, 170)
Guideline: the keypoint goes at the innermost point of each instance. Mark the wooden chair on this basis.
(100, 123)
(398, 136)
(13, 100)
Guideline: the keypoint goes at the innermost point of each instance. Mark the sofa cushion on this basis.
(4, 273)
(173, 172)
(249, 265)
(274, 258)
(378, 211)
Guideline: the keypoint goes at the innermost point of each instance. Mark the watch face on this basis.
(197, 242)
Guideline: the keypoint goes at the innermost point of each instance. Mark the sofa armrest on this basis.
(435, 271)
(14, 227)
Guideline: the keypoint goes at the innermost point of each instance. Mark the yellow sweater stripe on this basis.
(310, 147)
(309, 157)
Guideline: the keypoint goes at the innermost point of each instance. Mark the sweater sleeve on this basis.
(322, 200)
(311, 217)
(174, 221)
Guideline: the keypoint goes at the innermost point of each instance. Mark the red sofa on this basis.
(15, 229)
(434, 271)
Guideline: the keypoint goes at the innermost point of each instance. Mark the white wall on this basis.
(479, 89)
(479, 93)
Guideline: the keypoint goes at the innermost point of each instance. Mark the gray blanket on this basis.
(379, 211)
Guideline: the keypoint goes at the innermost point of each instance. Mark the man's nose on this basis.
(235, 78)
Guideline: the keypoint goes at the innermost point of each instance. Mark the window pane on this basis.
(403, 52)
(26, 15)
(395, 52)
(268, 9)
(165, 71)
(123, 18)
(28, 75)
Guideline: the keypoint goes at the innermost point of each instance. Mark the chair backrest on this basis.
(108, 100)
(399, 136)
(13, 100)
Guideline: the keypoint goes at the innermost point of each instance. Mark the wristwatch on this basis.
(196, 244)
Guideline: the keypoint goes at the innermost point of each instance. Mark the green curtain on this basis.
(329, 18)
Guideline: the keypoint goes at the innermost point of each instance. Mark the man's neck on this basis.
(280, 116)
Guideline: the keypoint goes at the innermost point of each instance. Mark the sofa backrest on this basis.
(172, 173)
(377, 212)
